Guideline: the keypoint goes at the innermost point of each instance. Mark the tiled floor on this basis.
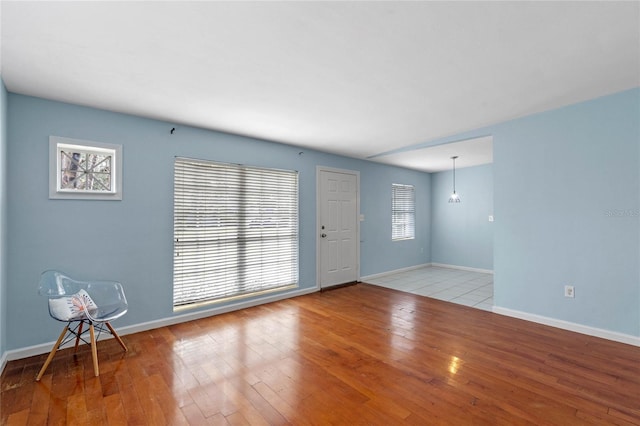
(453, 285)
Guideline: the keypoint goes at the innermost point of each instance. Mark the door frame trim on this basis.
(356, 173)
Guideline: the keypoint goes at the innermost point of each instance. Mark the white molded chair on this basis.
(79, 304)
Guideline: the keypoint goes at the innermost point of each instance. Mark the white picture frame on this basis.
(84, 170)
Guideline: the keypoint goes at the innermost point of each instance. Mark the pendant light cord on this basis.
(454, 197)
(454, 175)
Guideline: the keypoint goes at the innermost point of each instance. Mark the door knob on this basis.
(323, 235)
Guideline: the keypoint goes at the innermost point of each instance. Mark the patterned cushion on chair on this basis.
(70, 308)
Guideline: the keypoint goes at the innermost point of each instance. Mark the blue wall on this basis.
(461, 233)
(3, 218)
(132, 240)
(566, 199)
(376, 252)
(567, 194)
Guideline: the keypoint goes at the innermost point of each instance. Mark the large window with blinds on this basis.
(403, 212)
(235, 231)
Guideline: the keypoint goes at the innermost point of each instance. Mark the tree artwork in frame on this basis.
(80, 169)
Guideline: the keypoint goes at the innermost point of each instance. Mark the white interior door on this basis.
(338, 227)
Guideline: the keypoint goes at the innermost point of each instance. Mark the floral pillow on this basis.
(71, 308)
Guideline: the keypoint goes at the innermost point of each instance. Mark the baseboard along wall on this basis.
(570, 326)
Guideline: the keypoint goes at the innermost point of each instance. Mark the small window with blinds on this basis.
(403, 212)
(235, 231)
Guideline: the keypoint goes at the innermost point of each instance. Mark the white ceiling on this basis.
(353, 78)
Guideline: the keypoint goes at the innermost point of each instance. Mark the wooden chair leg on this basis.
(78, 336)
(113, 332)
(52, 353)
(94, 350)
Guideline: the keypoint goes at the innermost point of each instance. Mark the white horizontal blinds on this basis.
(235, 229)
(403, 212)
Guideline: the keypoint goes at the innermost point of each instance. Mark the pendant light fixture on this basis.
(454, 198)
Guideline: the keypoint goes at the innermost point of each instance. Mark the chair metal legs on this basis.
(78, 332)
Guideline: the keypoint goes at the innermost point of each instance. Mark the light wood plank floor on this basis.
(356, 355)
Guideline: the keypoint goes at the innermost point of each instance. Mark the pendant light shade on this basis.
(454, 198)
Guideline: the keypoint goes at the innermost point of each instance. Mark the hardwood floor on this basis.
(356, 355)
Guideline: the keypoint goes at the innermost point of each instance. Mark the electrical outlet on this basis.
(569, 291)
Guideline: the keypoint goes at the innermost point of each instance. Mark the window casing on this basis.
(235, 231)
(403, 212)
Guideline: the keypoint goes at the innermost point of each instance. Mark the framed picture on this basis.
(87, 170)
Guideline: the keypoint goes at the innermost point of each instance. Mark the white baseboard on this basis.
(149, 325)
(571, 326)
(425, 265)
(395, 271)
(463, 268)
